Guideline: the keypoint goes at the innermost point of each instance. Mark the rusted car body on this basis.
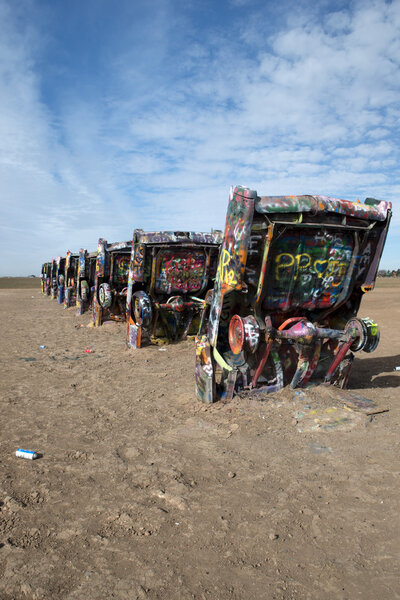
(46, 278)
(86, 274)
(111, 280)
(292, 272)
(70, 279)
(170, 273)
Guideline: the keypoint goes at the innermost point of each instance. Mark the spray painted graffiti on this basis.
(121, 269)
(308, 270)
(71, 279)
(331, 271)
(111, 280)
(85, 280)
(59, 279)
(46, 278)
(226, 274)
(233, 255)
(180, 271)
(204, 370)
(53, 279)
(137, 268)
(374, 210)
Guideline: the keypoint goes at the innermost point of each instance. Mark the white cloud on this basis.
(321, 86)
(309, 107)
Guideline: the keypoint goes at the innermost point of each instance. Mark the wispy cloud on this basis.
(171, 107)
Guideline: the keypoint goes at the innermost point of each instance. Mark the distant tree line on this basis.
(388, 273)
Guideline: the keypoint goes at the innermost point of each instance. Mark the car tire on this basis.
(142, 311)
(84, 290)
(105, 295)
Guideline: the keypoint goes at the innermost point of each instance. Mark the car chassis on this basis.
(86, 274)
(292, 272)
(170, 273)
(111, 279)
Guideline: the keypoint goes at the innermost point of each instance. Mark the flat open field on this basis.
(7, 283)
(143, 492)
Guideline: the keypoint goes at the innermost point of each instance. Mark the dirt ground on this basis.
(143, 492)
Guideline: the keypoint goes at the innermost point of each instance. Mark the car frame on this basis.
(170, 273)
(70, 278)
(53, 279)
(86, 275)
(111, 280)
(57, 279)
(46, 278)
(291, 276)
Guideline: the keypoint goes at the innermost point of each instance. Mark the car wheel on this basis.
(141, 308)
(105, 295)
(84, 290)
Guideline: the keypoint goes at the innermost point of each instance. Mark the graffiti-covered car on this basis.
(170, 273)
(46, 278)
(291, 276)
(70, 279)
(86, 274)
(111, 281)
(58, 279)
(53, 279)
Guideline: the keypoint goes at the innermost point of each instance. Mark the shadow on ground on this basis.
(373, 372)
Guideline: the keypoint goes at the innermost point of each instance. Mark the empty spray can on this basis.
(29, 454)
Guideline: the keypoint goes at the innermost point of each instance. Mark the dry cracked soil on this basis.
(142, 492)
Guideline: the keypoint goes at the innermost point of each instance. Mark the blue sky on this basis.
(115, 115)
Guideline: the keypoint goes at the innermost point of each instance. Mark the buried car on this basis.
(53, 279)
(86, 274)
(111, 280)
(170, 273)
(70, 279)
(58, 279)
(46, 278)
(292, 272)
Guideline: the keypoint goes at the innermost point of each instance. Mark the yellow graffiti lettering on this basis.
(338, 271)
(225, 259)
(303, 261)
(332, 271)
(285, 260)
(282, 264)
(227, 276)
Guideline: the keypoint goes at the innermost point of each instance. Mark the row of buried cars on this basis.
(271, 301)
